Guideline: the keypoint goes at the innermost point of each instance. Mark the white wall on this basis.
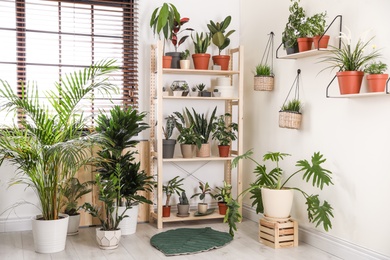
(353, 134)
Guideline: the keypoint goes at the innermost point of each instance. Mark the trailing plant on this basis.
(376, 68)
(173, 186)
(201, 42)
(232, 215)
(183, 200)
(224, 192)
(204, 191)
(217, 31)
(293, 105)
(169, 126)
(223, 132)
(263, 70)
(201, 125)
(73, 191)
(50, 144)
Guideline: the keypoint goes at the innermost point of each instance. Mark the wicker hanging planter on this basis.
(264, 77)
(290, 115)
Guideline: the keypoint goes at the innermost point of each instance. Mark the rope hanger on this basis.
(296, 85)
(268, 51)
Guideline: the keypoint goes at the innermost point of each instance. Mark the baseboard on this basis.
(15, 224)
(332, 245)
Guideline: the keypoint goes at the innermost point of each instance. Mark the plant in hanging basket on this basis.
(290, 115)
(264, 78)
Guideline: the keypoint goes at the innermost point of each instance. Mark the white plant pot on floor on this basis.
(73, 225)
(108, 239)
(128, 225)
(277, 203)
(49, 235)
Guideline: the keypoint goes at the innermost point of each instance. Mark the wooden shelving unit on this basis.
(157, 103)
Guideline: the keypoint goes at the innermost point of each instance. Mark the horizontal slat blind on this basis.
(44, 39)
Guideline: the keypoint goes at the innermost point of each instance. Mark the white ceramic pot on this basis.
(108, 239)
(277, 203)
(223, 81)
(49, 235)
(73, 225)
(226, 91)
(185, 64)
(202, 208)
(128, 225)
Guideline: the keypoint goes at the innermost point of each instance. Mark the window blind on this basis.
(42, 40)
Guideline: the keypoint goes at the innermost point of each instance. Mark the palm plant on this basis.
(48, 147)
(73, 191)
(173, 186)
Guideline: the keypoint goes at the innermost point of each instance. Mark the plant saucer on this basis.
(208, 212)
(182, 215)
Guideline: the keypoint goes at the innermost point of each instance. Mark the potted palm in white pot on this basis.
(48, 147)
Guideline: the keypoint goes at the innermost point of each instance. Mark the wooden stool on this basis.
(278, 234)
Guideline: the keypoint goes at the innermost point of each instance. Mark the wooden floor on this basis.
(19, 245)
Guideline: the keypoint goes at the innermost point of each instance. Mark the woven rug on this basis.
(183, 241)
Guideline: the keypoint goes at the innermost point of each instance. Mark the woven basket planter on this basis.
(290, 120)
(263, 83)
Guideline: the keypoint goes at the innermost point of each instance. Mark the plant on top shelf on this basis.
(184, 61)
(318, 25)
(176, 31)
(201, 44)
(376, 78)
(172, 186)
(225, 133)
(204, 191)
(290, 33)
(221, 40)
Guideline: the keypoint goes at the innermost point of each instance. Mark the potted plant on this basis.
(304, 34)
(202, 127)
(176, 30)
(202, 91)
(318, 25)
(189, 140)
(225, 133)
(200, 57)
(168, 143)
(216, 93)
(73, 191)
(221, 40)
(173, 186)
(162, 21)
(290, 115)
(194, 92)
(50, 147)
(376, 79)
(224, 193)
(350, 60)
(204, 190)
(176, 89)
(264, 78)
(289, 35)
(116, 131)
(184, 61)
(272, 197)
(183, 207)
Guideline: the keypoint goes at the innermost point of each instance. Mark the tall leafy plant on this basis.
(201, 125)
(50, 144)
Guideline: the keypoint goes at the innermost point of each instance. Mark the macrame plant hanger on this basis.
(266, 82)
(290, 114)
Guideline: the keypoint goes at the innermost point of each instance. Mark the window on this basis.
(41, 40)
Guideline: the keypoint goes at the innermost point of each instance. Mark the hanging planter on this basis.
(264, 77)
(290, 115)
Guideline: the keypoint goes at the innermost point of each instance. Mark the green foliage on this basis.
(263, 70)
(204, 190)
(290, 33)
(224, 192)
(223, 132)
(183, 200)
(163, 19)
(74, 190)
(185, 54)
(201, 42)
(293, 105)
(201, 125)
(169, 126)
(318, 24)
(173, 186)
(50, 144)
(217, 31)
(232, 215)
(350, 58)
(201, 87)
(376, 68)
(187, 135)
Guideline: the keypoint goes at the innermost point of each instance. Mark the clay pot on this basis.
(321, 43)
(224, 150)
(201, 61)
(222, 60)
(377, 82)
(350, 81)
(187, 150)
(167, 60)
(204, 150)
(304, 44)
(166, 211)
(222, 208)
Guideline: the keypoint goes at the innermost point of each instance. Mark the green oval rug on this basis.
(189, 240)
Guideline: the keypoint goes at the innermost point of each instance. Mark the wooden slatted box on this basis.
(278, 234)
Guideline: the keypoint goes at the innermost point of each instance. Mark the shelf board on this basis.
(201, 72)
(174, 218)
(200, 98)
(305, 54)
(198, 159)
(361, 95)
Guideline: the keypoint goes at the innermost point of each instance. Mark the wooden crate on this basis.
(278, 234)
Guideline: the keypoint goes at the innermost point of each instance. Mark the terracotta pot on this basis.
(222, 60)
(167, 60)
(166, 211)
(350, 81)
(323, 43)
(376, 82)
(201, 61)
(304, 44)
(222, 208)
(204, 150)
(187, 150)
(224, 150)
(108, 239)
(277, 203)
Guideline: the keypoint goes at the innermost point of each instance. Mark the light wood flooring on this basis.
(19, 245)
